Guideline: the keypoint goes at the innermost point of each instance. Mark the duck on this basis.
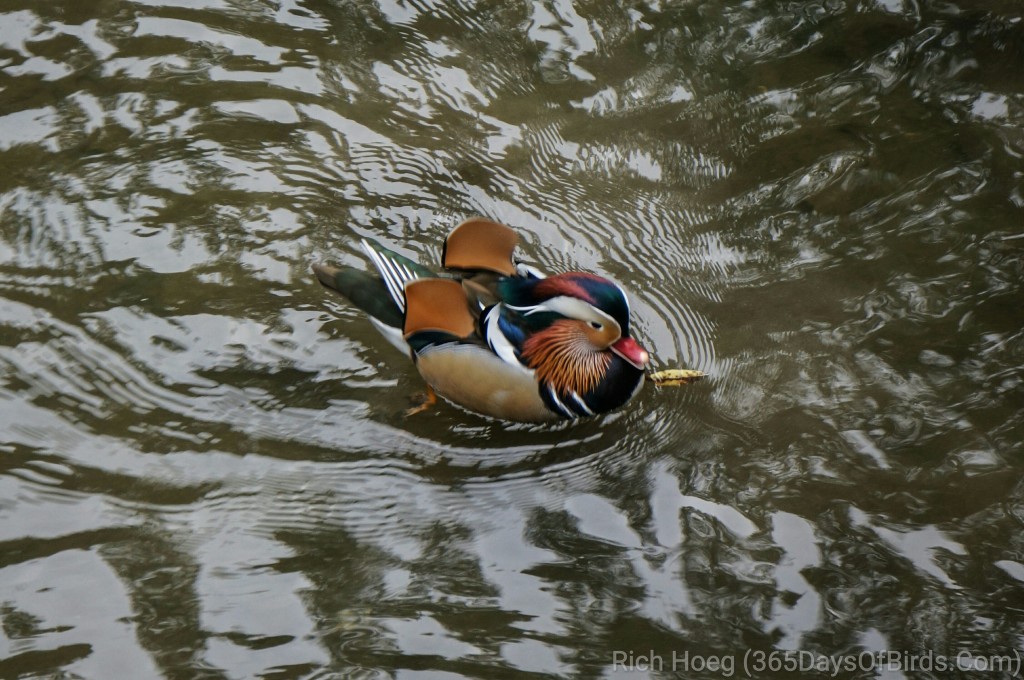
(494, 335)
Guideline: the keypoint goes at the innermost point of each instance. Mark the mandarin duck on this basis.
(497, 337)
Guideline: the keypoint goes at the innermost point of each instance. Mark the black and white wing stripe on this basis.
(395, 273)
(528, 271)
(496, 339)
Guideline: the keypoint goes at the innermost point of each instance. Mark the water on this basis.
(205, 470)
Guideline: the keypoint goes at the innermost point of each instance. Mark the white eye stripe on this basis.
(571, 307)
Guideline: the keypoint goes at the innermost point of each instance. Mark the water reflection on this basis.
(205, 467)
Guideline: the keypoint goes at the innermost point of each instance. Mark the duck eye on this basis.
(595, 325)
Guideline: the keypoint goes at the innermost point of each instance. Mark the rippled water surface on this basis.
(205, 466)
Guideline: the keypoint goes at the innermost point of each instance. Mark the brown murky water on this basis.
(205, 471)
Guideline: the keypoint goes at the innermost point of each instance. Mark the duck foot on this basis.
(429, 398)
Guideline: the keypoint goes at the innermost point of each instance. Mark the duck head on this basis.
(576, 325)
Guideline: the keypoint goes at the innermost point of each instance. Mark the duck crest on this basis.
(596, 291)
(576, 284)
(561, 358)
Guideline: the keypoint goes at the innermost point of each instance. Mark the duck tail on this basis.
(364, 290)
(382, 296)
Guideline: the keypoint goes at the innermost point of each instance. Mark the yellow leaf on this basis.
(675, 376)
